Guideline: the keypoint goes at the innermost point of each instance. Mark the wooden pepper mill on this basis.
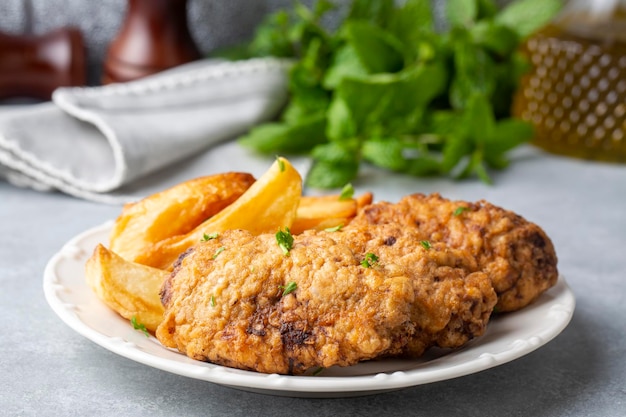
(154, 36)
(34, 66)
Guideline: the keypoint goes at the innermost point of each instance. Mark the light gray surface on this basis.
(49, 370)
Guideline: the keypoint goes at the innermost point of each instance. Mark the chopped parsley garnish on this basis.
(459, 210)
(346, 192)
(289, 288)
(213, 303)
(139, 326)
(281, 163)
(218, 251)
(284, 240)
(211, 236)
(317, 371)
(369, 261)
(334, 229)
(426, 244)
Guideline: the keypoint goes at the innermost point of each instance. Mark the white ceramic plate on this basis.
(508, 337)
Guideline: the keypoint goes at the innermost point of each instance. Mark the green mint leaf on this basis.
(271, 37)
(325, 175)
(425, 244)
(377, 12)
(340, 121)
(284, 138)
(461, 12)
(387, 153)
(495, 37)
(378, 50)
(482, 173)
(377, 104)
(487, 9)
(322, 7)
(424, 165)
(345, 63)
(474, 72)
(526, 16)
(479, 119)
(508, 134)
(213, 303)
(412, 21)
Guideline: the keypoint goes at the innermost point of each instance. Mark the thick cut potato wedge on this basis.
(174, 211)
(130, 289)
(269, 204)
(327, 211)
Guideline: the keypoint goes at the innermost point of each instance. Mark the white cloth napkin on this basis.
(93, 142)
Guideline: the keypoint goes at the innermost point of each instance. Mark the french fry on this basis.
(325, 212)
(130, 289)
(174, 211)
(269, 204)
(363, 200)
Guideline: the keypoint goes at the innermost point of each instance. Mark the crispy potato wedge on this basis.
(269, 204)
(174, 211)
(130, 289)
(327, 211)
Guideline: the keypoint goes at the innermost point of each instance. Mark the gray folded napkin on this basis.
(94, 142)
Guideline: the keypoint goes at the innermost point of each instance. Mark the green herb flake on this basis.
(289, 288)
(426, 244)
(284, 240)
(369, 260)
(213, 303)
(459, 210)
(317, 371)
(281, 163)
(334, 229)
(210, 236)
(139, 326)
(347, 192)
(218, 251)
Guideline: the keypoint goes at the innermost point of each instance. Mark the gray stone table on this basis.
(46, 369)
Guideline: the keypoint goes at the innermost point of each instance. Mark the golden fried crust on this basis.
(516, 254)
(453, 301)
(229, 309)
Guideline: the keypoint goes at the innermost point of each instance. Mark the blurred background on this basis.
(212, 23)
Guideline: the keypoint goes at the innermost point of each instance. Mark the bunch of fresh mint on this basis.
(389, 89)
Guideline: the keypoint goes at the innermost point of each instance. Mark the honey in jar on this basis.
(575, 93)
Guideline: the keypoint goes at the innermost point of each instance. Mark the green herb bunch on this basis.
(385, 87)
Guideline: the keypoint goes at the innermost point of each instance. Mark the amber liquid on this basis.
(575, 94)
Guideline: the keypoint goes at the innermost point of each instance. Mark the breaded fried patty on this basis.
(337, 298)
(516, 254)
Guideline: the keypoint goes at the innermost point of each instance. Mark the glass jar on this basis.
(575, 93)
